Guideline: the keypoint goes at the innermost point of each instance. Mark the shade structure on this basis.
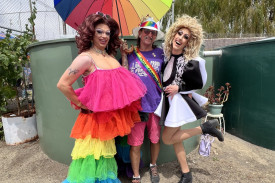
(128, 13)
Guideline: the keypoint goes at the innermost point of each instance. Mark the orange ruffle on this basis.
(105, 125)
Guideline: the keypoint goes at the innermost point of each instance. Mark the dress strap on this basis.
(90, 56)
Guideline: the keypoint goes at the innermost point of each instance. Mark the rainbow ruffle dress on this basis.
(113, 96)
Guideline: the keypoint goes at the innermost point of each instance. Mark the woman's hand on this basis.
(78, 106)
(171, 90)
(83, 106)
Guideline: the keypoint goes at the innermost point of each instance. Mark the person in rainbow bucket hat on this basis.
(146, 61)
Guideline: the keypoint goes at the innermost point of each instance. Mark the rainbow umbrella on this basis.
(127, 12)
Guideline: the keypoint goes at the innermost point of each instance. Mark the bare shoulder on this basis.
(83, 60)
(84, 57)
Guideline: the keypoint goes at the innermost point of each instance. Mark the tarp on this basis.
(2, 36)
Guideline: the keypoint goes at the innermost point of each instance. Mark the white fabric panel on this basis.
(179, 112)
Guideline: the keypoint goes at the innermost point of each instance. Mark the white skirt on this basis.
(180, 112)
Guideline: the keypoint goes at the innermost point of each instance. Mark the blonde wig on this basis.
(192, 48)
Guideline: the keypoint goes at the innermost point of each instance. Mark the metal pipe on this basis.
(11, 29)
(212, 53)
(64, 29)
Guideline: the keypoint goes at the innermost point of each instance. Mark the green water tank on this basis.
(55, 117)
(250, 111)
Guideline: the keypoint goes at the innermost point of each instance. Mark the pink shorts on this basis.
(136, 137)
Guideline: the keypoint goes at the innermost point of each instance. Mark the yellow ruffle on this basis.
(91, 146)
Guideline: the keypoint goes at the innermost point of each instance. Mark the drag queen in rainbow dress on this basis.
(109, 101)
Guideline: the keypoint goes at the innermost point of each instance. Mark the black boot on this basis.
(186, 178)
(209, 127)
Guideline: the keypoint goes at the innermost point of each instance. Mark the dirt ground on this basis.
(232, 161)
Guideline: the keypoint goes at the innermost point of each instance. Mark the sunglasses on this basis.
(185, 36)
(101, 32)
(103, 15)
(147, 31)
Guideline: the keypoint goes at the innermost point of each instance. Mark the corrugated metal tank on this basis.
(55, 117)
(250, 110)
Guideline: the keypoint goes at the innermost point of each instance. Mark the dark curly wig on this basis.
(86, 32)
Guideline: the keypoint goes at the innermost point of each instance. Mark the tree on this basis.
(13, 57)
(227, 17)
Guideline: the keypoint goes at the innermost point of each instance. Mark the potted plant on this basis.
(216, 99)
(20, 124)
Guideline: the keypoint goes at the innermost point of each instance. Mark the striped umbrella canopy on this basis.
(128, 13)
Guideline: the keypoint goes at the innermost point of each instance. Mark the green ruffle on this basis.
(88, 168)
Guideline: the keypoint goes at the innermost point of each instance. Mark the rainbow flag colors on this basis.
(113, 99)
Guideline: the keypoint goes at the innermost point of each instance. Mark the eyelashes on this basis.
(100, 32)
(185, 36)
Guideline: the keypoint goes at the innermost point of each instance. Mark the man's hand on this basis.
(123, 47)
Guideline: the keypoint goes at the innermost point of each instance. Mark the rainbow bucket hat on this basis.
(148, 23)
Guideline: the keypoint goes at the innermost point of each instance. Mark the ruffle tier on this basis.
(91, 170)
(95, 147)
(108, 90)
(105, 125)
